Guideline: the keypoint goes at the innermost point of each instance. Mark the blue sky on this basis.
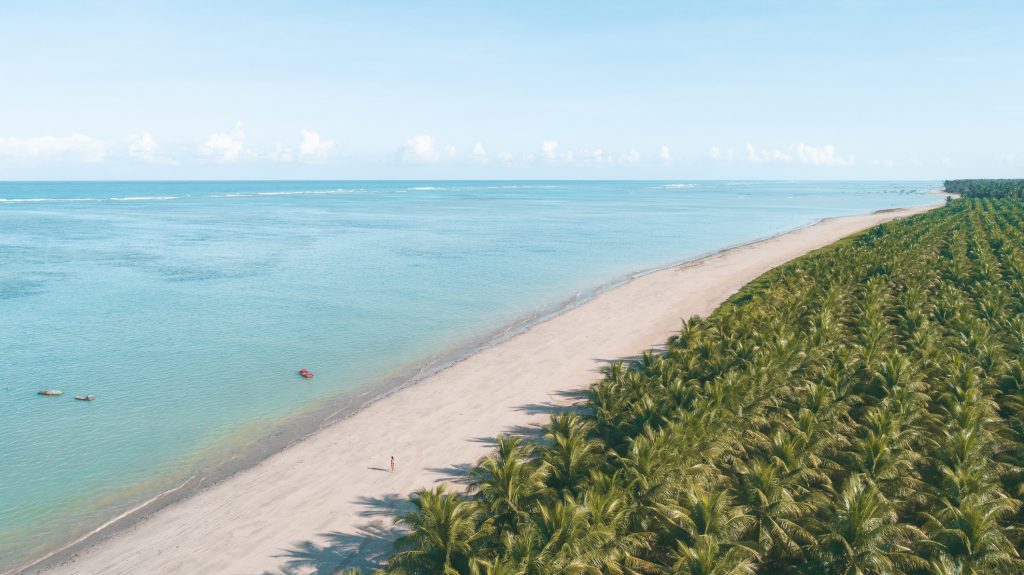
(674, 90)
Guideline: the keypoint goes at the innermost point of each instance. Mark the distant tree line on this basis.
(986, 188)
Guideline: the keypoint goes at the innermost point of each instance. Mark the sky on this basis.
(511, 90)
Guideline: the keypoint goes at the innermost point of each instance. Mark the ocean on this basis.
(187, 308)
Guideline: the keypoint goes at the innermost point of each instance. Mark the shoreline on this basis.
(134, 541)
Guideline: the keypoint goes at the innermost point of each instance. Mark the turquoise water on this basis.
(187, 307)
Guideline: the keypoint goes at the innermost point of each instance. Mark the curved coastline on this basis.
(84, 555)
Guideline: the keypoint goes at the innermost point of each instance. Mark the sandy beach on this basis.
(327, 502)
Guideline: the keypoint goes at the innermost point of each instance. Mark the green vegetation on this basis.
(857, 411)
(986, 188)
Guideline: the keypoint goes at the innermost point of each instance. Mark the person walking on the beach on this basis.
(392, 464)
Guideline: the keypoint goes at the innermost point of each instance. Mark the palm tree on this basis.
(772, 503)
(863, 536)
(497, 567)
(444, 532)
(571, 453)
(622, 547)
(885, 454)
(971, 538)
(562, 539)
(509, 484)
(707, 512)
(708, 557)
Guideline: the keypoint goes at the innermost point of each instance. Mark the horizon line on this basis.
(226, 180)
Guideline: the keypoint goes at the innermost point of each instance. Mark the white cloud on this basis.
(884, 163)
(479, 153)
(595, 156)
(225, 146)
(142, 146)
(506, 157)
(764, 156)
(312, 148)
(282, 153)
(803, 153)
(665, 154)
(823, 156)
(450, 150)
(549, 152)
(719, 155)
(78, 146)
(549, 149)
(421, 148)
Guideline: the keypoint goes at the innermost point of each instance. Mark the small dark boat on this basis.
(306, 373)
(85, 397)
(51, 392)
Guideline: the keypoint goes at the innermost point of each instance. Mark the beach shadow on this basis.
(548, 408)
(630, 361)
(541, 408)
(391, 504)
(528, 432)
(533, 432)
(453, 473)
(575, 395)
(625, 360)
(368, 549)
(489, 441)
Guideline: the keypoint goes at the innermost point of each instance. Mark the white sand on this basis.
(317, 505)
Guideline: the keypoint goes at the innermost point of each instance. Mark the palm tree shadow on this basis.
(528, 432)
(542, 408)
(486, 440)
(576, 395)
(391, 504)
(625, 360)
(368, 549)
(571, 400)
(458, 473)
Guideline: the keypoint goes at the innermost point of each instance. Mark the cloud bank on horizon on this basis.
(734, 89)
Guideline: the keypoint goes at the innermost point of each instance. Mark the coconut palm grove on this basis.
(859, 410)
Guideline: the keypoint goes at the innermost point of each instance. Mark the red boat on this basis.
(306, 373)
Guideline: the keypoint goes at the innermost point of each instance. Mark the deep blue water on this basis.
(187, 307)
